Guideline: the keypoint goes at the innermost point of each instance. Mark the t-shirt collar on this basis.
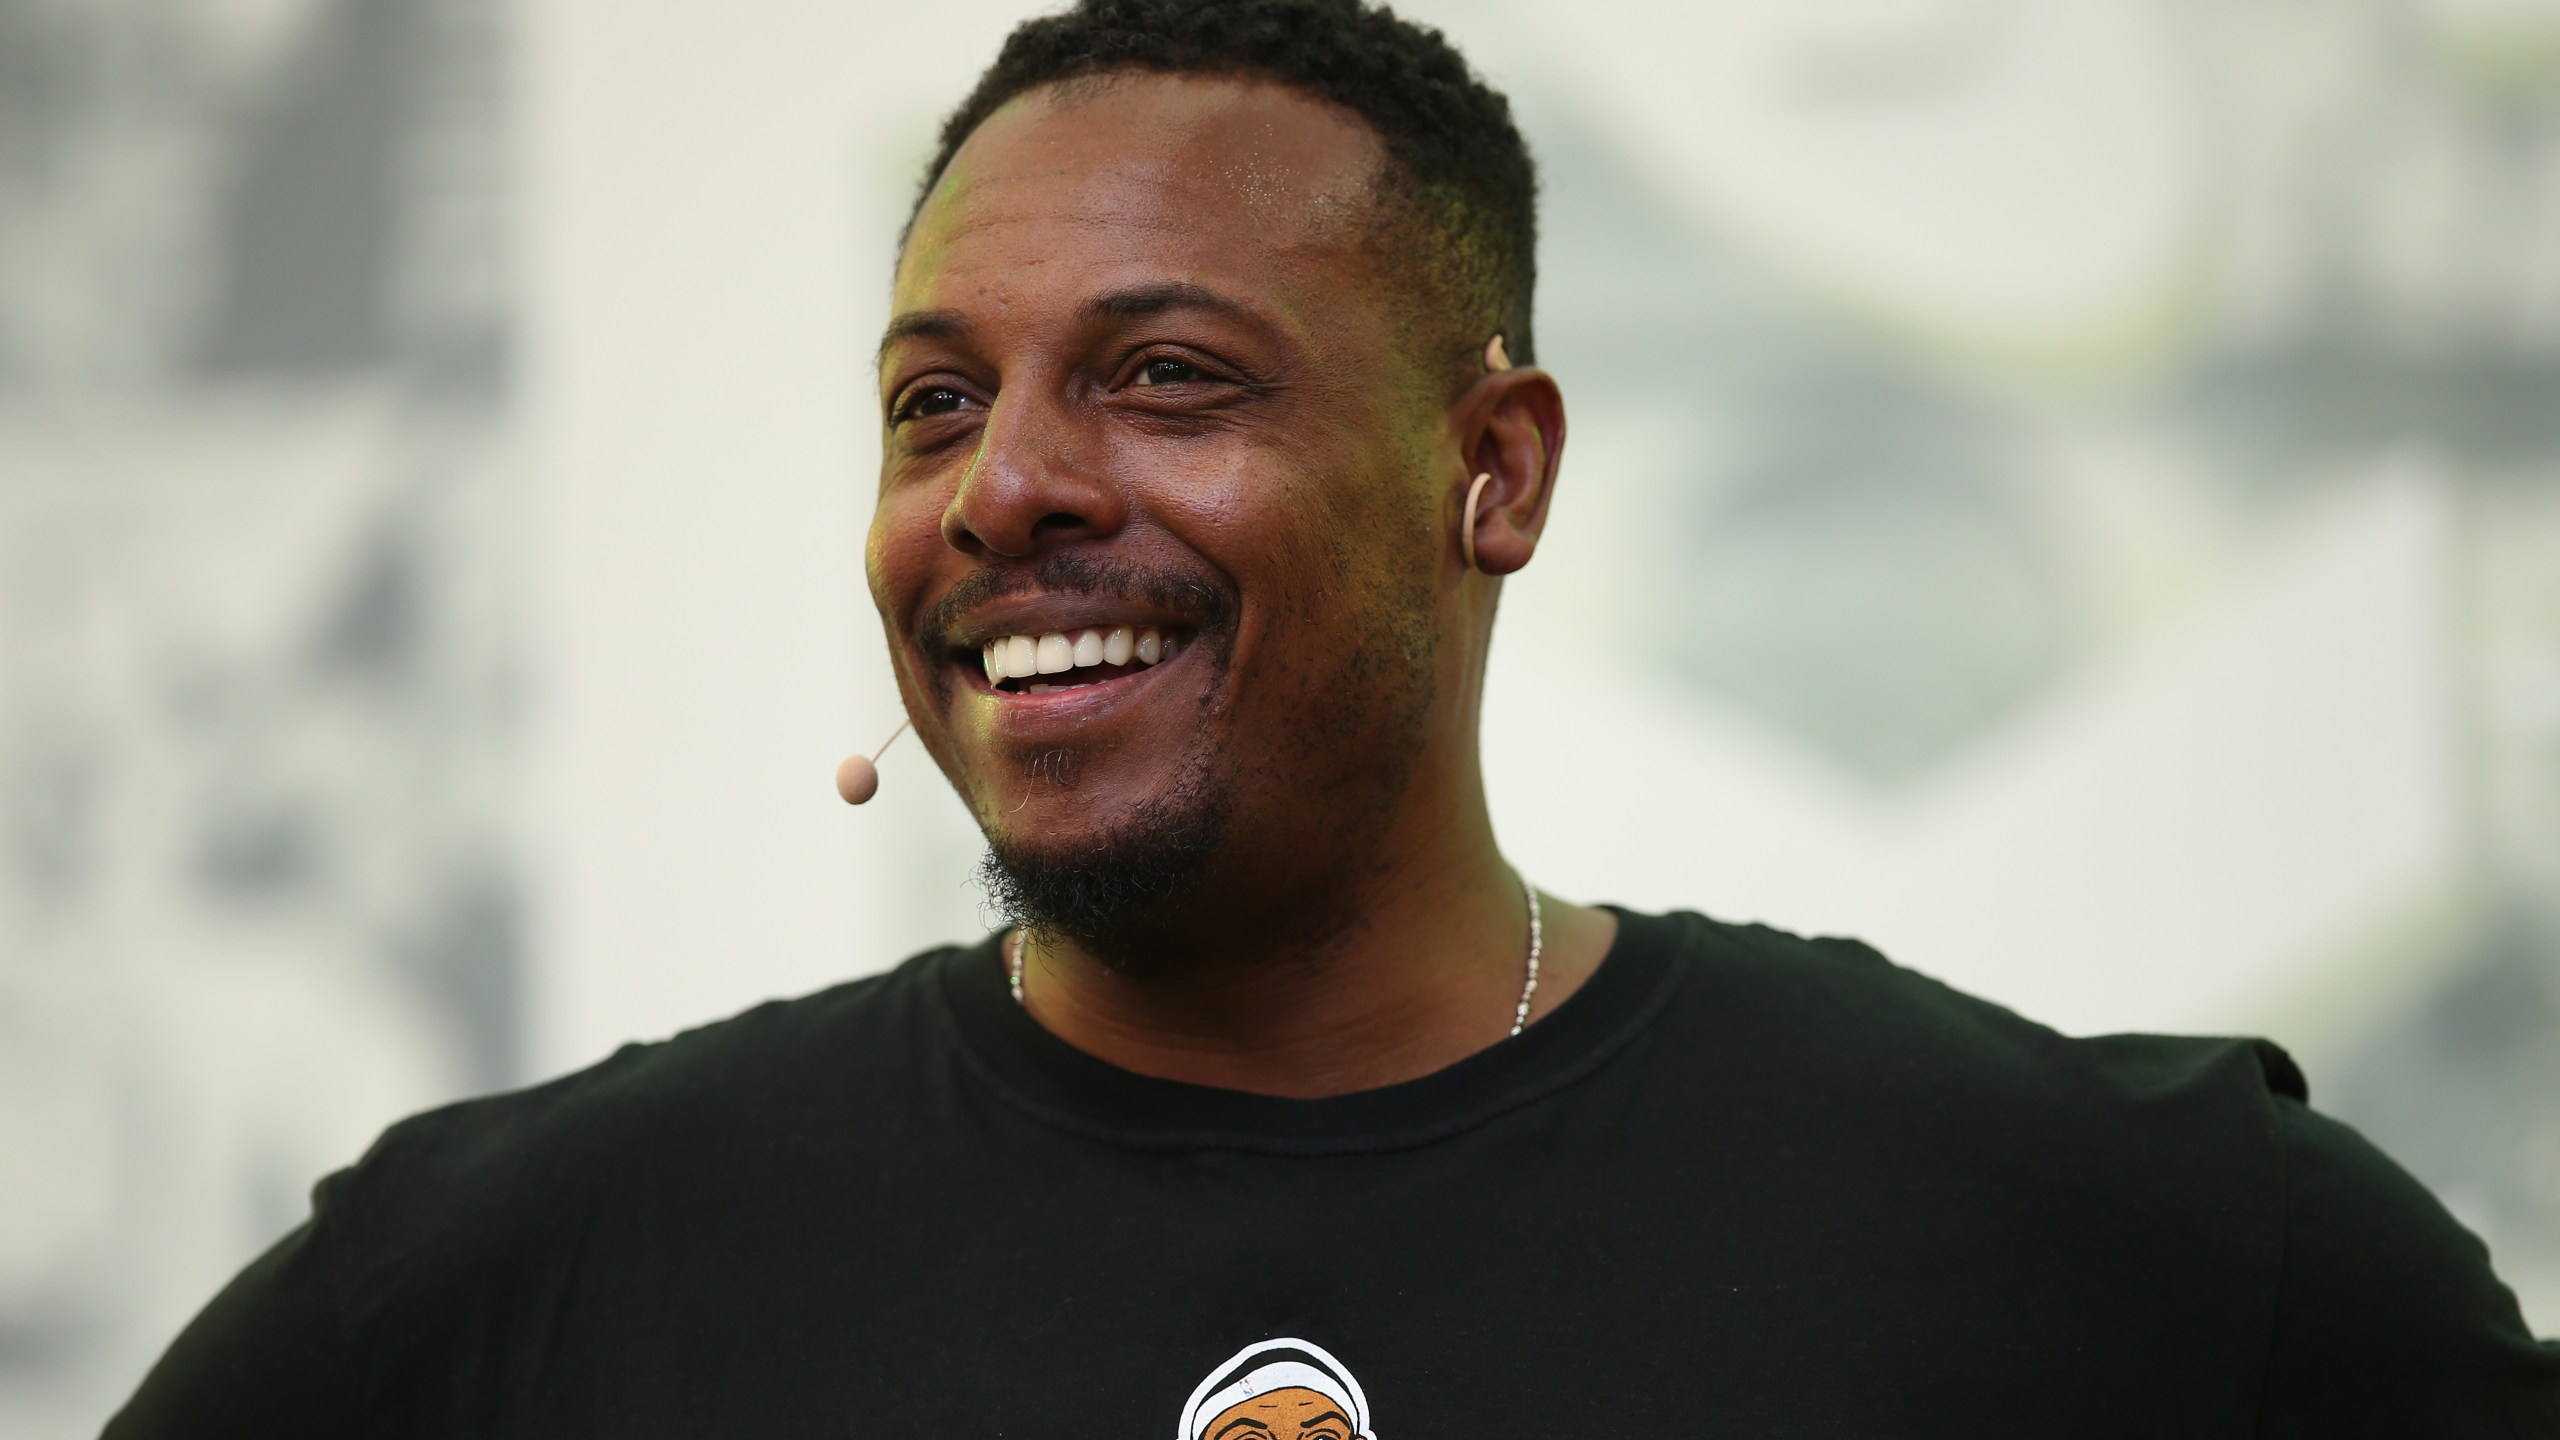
(1051, 1080)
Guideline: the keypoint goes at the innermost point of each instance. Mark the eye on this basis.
(927, 400)
(1168, 371)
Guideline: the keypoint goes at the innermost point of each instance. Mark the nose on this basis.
(1036, 482)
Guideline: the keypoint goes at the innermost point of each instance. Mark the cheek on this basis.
(900, 550)
(1279, 522)
(1344, 623)
(1368, 560)
(1210, 493)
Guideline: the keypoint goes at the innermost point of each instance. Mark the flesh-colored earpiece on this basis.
(1475, 492)
(1495, 357)
(858, 778)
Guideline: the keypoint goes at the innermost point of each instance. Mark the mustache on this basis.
(1202, 602)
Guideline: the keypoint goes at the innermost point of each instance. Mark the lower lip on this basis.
(1020, 715)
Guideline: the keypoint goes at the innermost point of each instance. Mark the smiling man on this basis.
(1185, 391)
(1204, 456)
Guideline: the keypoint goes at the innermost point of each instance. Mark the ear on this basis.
(1512, 428)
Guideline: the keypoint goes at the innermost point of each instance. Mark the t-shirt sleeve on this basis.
(266, 1358)
(2389, 1321)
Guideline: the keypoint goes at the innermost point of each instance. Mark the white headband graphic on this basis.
(1274, 1365)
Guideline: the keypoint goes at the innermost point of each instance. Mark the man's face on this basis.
(1145, 370)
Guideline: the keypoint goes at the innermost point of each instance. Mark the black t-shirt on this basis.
(1740, 1185)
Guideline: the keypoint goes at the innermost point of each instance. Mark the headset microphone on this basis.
(858, 778)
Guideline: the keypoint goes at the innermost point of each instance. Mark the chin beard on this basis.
(1116, 897)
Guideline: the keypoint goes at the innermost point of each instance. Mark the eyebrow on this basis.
(1131, 304)
(1171, 295)
(1303, 1422)
(920, 325)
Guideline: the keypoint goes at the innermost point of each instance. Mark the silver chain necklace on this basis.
(1519, 1014)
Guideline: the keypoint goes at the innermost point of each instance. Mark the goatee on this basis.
(1113, 898)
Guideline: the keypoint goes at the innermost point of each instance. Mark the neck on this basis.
(1422, 966)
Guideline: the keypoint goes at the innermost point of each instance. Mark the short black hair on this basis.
(1472, 191)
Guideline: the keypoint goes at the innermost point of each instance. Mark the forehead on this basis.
(1241, 184)
(1288, 1405)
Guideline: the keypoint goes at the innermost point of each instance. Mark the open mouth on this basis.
(1072, 659)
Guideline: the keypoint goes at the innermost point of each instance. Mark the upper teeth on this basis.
(1013, 657)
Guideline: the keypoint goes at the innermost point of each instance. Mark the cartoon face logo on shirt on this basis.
(1277, 1390)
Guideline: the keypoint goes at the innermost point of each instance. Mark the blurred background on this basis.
(2067, 491)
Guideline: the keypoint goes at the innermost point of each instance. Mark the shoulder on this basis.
(2389, 1319)
(2170, 1146)
(456, 1189)
(1850, 1016)
(2379, 1313)
(771, 1050)
(463, 1223)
